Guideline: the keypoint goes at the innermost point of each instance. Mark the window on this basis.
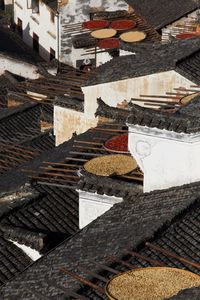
(35, 6)
(35, 42)
(19, 27)
(52, 54)
(52, 15)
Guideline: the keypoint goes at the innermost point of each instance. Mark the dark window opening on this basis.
(19, 27)
(52, 54)
(35, 42)
(35, 6)
(52, 16)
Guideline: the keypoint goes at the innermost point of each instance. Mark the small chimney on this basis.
(166, 146)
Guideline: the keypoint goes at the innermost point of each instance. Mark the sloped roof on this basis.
(163, 57)
(45, 220)
(185, 120)
(12, 260)
(189, 67)
(125, 225)
(160, 13)
(188, 294)
(181, 239)
(7, 81)
(110, 112)
(23, 122)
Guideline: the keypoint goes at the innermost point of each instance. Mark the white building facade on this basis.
(38, 25)
(46, 25)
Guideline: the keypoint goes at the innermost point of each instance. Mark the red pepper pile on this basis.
(118, 143)
(186, 35)
(112, 43)
(123, 24)
(96, 24)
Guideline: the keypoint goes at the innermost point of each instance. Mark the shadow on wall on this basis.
(2, 6)
(33, 42)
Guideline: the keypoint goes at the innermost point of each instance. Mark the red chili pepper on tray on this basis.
(118, 143)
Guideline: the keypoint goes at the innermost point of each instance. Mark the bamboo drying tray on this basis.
(113, 144)
(121, 25)
(107, 165)
(103, 33)
(133, 36)
(152, 283)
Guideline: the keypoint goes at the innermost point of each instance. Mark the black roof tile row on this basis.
(162, 12)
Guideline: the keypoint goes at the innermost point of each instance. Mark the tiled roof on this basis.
(12, 260)
(64, 89)
(188, 294)
(21, 123)
(163, 12)
(185, 120)
(108, 186)
(189, 67)
(179, 240)
(42, 142)
(163, 58)
(7, 82)
(16, 177)
(107, 111)
(125, 225)
(23, 236)
(73, 102)
(45, 220)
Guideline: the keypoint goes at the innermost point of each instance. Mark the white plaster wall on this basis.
(77, 11)
(68, 121)
(81, 54)
(32, 253)
(18, 67)
(103, 57)
(41, 28)
(166, 158)
(92, 205)
(115, 92)
(8, 2)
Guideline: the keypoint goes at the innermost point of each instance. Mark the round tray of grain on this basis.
(151, 283)
(104, 33)
(108, 165)
(133, 36)
(185, 100)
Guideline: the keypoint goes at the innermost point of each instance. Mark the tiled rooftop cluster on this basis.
(40, 184)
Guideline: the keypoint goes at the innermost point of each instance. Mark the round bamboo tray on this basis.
(107, 165)
(133, 36)
(111, 145)
(186, 35)
(111, 43)
(103, 33)
(122, 25)
(95, 24)
(185, 100)
(152, 283)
